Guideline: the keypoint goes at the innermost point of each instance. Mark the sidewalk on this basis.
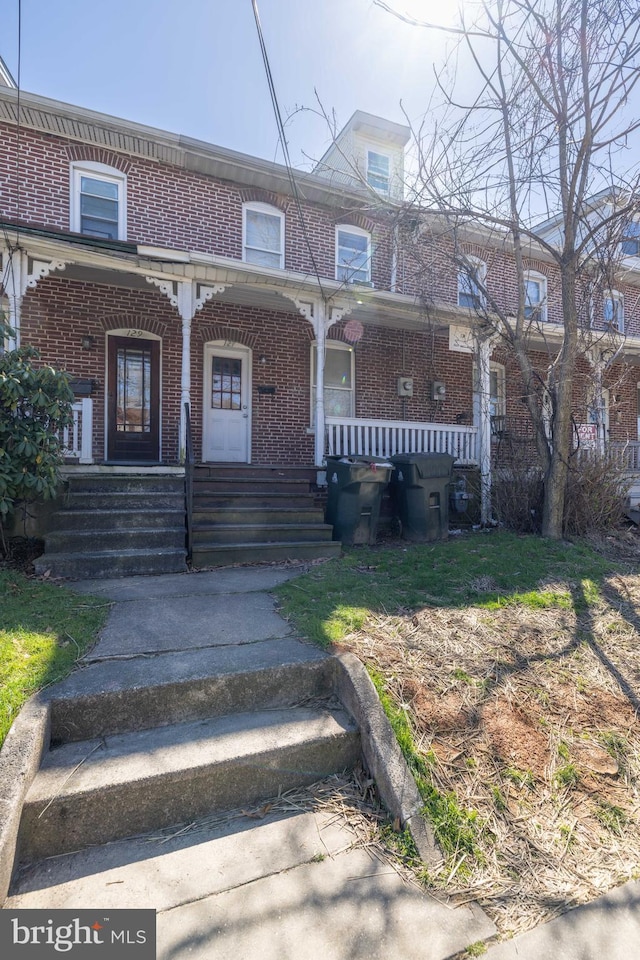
(290, 885)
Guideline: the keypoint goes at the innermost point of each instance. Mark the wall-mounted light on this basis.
(262, 361)
(88, 342)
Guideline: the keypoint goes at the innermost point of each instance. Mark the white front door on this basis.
(227, 393)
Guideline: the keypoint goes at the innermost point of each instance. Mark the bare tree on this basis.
(545, 139)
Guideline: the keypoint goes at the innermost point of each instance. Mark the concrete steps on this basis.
(178, 738)
(95, 791)
(117, 525)
(246, 514)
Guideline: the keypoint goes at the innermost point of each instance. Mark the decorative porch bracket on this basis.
(187, 296)
(22, 273)
(322, 315)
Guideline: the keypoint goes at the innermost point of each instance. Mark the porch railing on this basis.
(77, 439)
(384, 438)
(626, 453)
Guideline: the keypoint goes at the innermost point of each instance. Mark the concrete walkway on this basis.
(291, 884)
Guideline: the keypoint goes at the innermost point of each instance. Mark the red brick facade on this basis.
(171, 207)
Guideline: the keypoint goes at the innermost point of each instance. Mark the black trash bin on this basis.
(420, 486)
(354, 492)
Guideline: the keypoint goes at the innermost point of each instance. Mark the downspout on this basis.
(484, 429)
(321, 340)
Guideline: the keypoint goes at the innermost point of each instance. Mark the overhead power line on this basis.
(285, 146)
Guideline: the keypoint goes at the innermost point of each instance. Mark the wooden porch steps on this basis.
(117, 525)
(248, 514)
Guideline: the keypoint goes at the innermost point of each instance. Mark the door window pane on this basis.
(133, 390)
(226, 383)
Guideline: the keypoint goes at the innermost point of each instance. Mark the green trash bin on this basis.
(354, 492)
(420, 487)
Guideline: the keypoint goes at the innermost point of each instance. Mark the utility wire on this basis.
(285, 146)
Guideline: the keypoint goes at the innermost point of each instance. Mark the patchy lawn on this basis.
(510, 668)
(44, 628)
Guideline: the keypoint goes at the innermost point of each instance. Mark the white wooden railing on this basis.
(77, 439)
(627, 453)
(384, 438)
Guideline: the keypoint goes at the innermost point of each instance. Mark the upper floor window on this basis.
(378, 171)
(98, 201)
(263, 235)
(353, 255)
(535, 304)
(471, 277)
(613, 310)
(630, 244)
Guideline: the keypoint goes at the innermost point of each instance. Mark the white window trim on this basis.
(615, 297)
(99, 171)
(359, 232)
(270, 210)
(542, 280)
(330, 345)
(480, 268)
(373, 148)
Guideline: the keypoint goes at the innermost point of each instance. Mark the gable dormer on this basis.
(368, 153)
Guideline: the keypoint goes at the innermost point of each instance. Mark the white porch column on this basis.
(484, 349)
(321, 315)
(188, 297)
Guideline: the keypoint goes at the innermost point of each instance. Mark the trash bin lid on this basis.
(427, 464)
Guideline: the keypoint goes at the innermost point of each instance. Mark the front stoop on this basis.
(246, 514)
(154, 790)
(117, 525)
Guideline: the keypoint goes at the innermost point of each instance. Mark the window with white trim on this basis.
(263, 235)
(630, 244)
(339, 379)
(471, 277)
(98, 201)
(353, 255)
(535, 292)
(613, 310)
(497, 391)
(378, 171)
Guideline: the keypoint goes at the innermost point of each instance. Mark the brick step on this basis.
(124, 500)
(124, 483)
(246, 498)
(223, 554)
(214, 533)
(111, 563)
(116, 538)
(95, 791)
(123, 519)
(213, 470)
(214, 516)
(250, 484)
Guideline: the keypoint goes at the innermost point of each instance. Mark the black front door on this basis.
(133, 421)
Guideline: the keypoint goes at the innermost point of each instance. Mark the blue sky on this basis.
(194, 66)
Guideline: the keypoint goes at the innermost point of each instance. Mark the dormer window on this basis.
(378, 171)
(613, 311)
(353, 255)
(98, 202)
(263, 235)
(470, 279)
(535, 305)
(630, 244)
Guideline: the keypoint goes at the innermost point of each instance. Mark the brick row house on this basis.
(191, 294)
